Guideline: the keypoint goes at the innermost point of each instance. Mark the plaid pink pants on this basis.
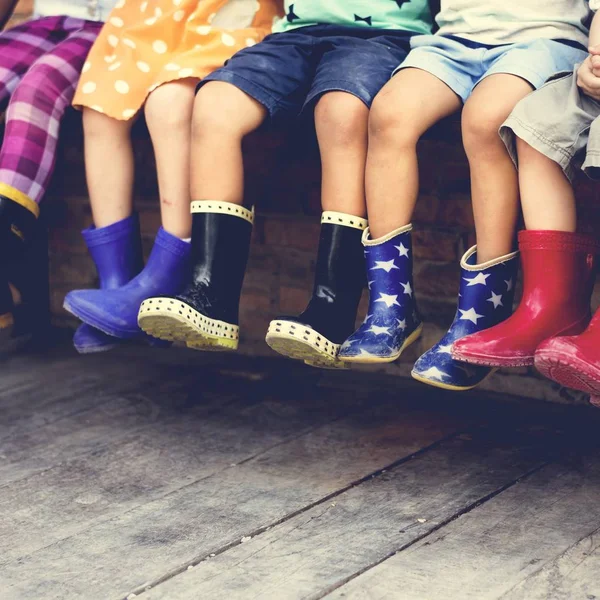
(40, 63)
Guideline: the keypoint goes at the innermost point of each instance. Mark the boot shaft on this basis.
(221, 235)
(559, 270)
(389, 268)
(340, 266)
(116, 251)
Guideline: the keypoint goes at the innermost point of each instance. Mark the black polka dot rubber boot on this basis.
(315, 336)
(205, 314)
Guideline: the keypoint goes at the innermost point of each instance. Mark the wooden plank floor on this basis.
(175, 475)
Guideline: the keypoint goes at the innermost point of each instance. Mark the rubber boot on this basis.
(206, 314)
(117, 253)
(573, 361)
(393, 322)
(485, 299)
(558, 276)
(23, 263)
(114, 311)
(316, 335)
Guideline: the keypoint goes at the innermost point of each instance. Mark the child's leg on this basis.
(109, 167)
(547, 197)
(169, 117)
(494, 184)
(341, 121)
(223, 116)
(402, 112)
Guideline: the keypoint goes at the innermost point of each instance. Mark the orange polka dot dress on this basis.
(146, 43)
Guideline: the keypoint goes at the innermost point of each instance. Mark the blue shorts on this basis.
(290, 70)
(462, 64)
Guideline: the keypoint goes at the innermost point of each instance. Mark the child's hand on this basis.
(587, 80)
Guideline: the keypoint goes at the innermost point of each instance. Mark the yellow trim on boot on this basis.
(338, 218)
(223, 208)
(367, 240)
(20, 198)
(485, 265)
(6, 320)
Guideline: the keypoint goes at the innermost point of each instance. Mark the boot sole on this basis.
(369, 360)
(176, 321)
(574, 374)
(299, 342)
(493, 362)
(447, 386)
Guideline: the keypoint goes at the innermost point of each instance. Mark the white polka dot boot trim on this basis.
(174, 320)
(302, 342)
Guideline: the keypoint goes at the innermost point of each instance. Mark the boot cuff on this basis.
(19, 197)
(467, 263)
(104, 235)
(337, 218)
(558, 240)
(223, 208)
(368, 241)
(172, 244)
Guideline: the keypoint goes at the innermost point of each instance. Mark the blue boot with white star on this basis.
(393, 322)
(485, 299)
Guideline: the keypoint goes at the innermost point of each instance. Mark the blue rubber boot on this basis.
(486, 298)
(117, 253)
(393, 322)
(115, 311)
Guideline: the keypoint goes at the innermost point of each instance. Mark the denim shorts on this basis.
(561, 122)
(462, 64)
(289, 71)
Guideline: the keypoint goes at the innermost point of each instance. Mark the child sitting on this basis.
(332, 57)
(554, 132)
(486, 56)
(150, 56)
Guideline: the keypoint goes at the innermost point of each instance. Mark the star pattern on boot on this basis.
(387, 266)
(392, 311)
(482, 303)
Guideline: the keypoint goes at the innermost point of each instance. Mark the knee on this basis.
(341, 119)
(169, 108)
(481, 125)
(217, 112)
(97, 124)
(391, 124)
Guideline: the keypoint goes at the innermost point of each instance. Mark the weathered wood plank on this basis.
(323, 547)
(574, 574)
(143, 545)
(164, 451)
(486, 553)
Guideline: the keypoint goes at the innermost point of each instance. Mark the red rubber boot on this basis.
(573, 361)
(558, 271)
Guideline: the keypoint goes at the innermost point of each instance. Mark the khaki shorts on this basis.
(562, 123)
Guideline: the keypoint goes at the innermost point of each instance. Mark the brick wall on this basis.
(284, 182)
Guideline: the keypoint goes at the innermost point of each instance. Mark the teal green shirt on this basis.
(411, 15)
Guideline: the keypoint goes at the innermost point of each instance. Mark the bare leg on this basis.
(547, 197)
(404, 110)
(341, 121)
(494, 182)
(223, 115)
(169, 118)
(109, 167)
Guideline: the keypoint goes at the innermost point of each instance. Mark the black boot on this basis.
(205, 315)
(24, 264)
(315, 336)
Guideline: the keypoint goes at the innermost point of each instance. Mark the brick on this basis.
(301, 233)
(436, 244)
(293, 300)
